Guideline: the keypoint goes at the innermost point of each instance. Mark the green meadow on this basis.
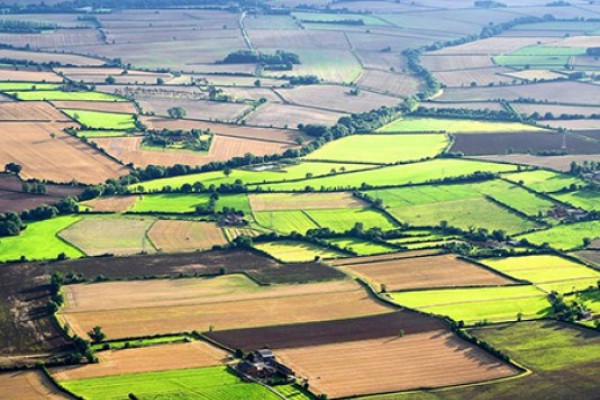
(60, 95)
(342, 219)
(544, 181)
(361, 247)
(102, 120)
(566, 236)
(294, 251)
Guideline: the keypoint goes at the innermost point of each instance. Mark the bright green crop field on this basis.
(285, 221)
(342, 219)
(22, 86)
(102, 120)
(544, 181)
(239, 202)
(588, 200)
(60, 95)
(39, 241)
(381, 148)
(494, 304)
(171, 202)
(565, 237)
(209, 383)
(454, 126)
(293, 251)
(515, 197)
(361, 247)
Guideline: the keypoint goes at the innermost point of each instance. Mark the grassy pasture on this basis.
(546, 61)
(381, 148)
(565, 237)
(325, 17)
(208, 383)
(515, 197)
(453, 126)
(285, 221)
(543, 181)
(361, 247)
(546, 271)
(393, 175)
(341, 220)
(102, 120)
(238, 202)
(39, 241)
(60, 95)
(494, 304)
(23, 86)
(293, 251)
(586, 199)
(171, 202)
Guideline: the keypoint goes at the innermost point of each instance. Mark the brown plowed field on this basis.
(39, 57)
(426, 272)
(289, 116)
(223, 148)
(147, 359)
(174, 235)
(29, 76)
(241, 131)
(327, 332)
(111, 204)
(521, 142)
(391, 364)
(28, 385)
(303, 201)
(481, 76)
(196, 109)
(129, 309)
(106, 106)
(59, 159)
(493, 45)
(387, 82)
(456, 63)
(558, 163)
(12, 197)
(31, 111)
(383, 257)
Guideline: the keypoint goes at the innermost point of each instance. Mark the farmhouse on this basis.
(261, 365)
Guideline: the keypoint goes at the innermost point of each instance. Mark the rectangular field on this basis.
(173, 235)
(454, 126)
(566, 236)
(28, 385)
(129, 309)
(343, 219)
(110, 204)
(285, 221)
(294, 251)
(102, 120)
(588, 200)
(49, 95)
(425, 272)
(304, 201)
(544, 181)
(170, 202)
(34, 111)
(361, 247)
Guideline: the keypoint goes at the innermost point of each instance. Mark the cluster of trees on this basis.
(488, 4)
(68, 6)
(593, 51)
(281, 60)
(462, 113)
(24, 27)
(34, 187)
(585, 167)
(346, 21)
(195, 139)
(548, 115)
(571, 311)
(304, 80)
(10, 224)
(413, 63)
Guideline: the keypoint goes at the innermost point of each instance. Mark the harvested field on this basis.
(335, 98)
(574, 124)
(383, 257)
(39, 57)
(128, 150)
(98, 236)
(288, 116)
(327, 332)
(104, 106)
(479, 76)
(289, 251)
(146, 359)
(197, 109)
(535, 75)
(556, 109)
(111, 204)
(30, 112)
(456, 63)
(389, 83)
(525, 142)
(303, 201)
(173, 235)
(28, 385)
(425, 272)
(29, 76)
(252, 93)
(465, 105)
(46, 152)
(246, 132)
(430, 359)
(128, 309)
(458, 126)
(493, 45)
(12, 197)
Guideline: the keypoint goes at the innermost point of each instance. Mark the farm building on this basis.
(261, 365)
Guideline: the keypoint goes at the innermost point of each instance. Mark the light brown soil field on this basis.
(176, 235)
(284, 116)
(241, 131)
(153, 91)
(455, 63)
(298, 39)
(252, 93)
(232, 233)
(29, 76)
(386, 62)
(422, 360)
(468, 106)
(577, 41)
(111, 204)
(128, 309)
(558, 163)
(555, 109)
(387, 82)
(426, 272)
(107, 106)
(28, 385)
(481, 76)
(383, 257)
(31, 111)
(574, 124)
(196, 354)
(61, 158)
(494, 45)
(59, 39)
(336, 98)
(535, 74)
(223, 148)
(197, 109)
(303, 201)
(39, 57)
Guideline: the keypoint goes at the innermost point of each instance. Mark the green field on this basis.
(102, 120)
(565, 237)
(110, 235)
(393, 176)
(591, 299)
(548, 272)
(588, 200)
(60, 95)
(239, 202)
(361, 247)
(285, 221)
(515, 197)
(294, 251)
(381, 148)
(277, 173)
(544, 181)
(39, 241)
(293, 392)
(532, 61)
(492, 304)
(171, 202)
(209, 383)
(341, 220)
(22, 86)
(94, 134)
(454, 126)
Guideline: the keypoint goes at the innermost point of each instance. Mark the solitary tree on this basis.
(176, 112)
(96, 334)
(12, 167)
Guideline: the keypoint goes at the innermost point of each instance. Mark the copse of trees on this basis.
(24, 27)
(463, 113)
(280, 60)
